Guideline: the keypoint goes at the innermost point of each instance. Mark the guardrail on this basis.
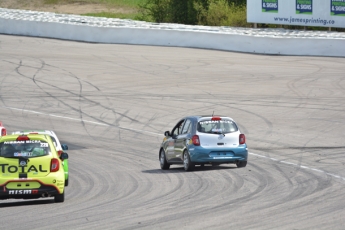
(120, 31)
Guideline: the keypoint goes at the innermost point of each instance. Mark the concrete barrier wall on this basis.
(102, 30)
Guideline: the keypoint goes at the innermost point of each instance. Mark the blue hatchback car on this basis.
(200, 140)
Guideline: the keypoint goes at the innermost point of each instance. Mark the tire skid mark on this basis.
(292, 86)
(203, 210)
(303, 188)
(131, 182)
(33, 78)
(106, 187)
(80, 98)
(79, 95)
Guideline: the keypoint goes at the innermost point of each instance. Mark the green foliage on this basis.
(238, 2)
(172, 11)
(155, 10)
(224, 13)
(183, 11)
(202, 12)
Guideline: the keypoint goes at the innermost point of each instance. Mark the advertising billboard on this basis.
(325, 13)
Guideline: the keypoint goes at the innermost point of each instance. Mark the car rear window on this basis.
(28, 148)
(218, 126)
(54, 141)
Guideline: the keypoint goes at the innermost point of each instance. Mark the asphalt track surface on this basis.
(112, 103)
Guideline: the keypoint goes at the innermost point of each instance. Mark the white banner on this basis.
(325, 13)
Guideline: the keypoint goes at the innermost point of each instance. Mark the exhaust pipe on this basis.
(45, 195)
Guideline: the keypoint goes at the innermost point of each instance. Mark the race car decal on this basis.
(23, 142)
(22, 192)
(21, 169)
(215, 122)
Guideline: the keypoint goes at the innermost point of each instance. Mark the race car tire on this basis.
(66, 182)
(188, 165)
(59, 198)
(163, 161)
(241, 164)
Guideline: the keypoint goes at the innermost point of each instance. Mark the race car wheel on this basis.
(187, 164)
(66, 182)
(163, 161)
(241, 164)
(59, 198)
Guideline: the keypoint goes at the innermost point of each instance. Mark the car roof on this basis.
(49, 132)
(198, 117)
(44, 132)
(12, 137)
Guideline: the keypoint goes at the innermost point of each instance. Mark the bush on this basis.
(192, 12)
(155, 11)
(221, 13)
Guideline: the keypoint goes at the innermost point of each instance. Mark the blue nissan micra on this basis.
(200, 140)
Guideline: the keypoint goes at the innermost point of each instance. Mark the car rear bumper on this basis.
(23, 189)
(44, 191)
(200, 154)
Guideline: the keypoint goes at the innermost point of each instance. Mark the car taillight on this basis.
(195, 140)
(55, 165)
(59, 152)
(3, 132)
(23, 138)
(242, 139)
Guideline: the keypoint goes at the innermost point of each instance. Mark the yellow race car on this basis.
(30, 168)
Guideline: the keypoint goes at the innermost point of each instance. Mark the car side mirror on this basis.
(167, 134)
(64, 147)
(64, 156)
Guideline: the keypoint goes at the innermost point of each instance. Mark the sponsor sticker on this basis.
(215, 122)
(23, 168)
(22, 192)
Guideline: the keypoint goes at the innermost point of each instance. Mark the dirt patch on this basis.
(74, 8)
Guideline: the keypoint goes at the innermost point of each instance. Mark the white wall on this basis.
(101, 30)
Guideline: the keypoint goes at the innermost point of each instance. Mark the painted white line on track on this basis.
(77, 119)
(143, 131)
(53, 115)
(300, 166)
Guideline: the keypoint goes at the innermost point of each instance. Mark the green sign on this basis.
(270, 6)
(304, 6)
(338, 7)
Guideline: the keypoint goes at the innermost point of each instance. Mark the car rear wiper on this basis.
(18, 157)
(217, 132)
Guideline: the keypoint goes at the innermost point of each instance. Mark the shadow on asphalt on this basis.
(18, 202)
(174, 169)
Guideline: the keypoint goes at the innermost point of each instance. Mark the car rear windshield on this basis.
(218, 126)
(28, 148)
